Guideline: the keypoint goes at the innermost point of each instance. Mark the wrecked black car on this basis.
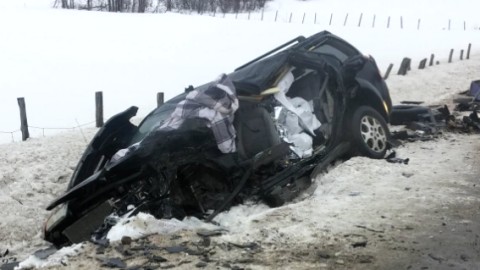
(259, 133)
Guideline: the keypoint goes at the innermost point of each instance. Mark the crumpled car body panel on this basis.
(181, 172)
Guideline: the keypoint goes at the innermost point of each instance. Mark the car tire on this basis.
(369, 132)
(404, 114)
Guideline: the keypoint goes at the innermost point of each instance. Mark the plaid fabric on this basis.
(217, 104)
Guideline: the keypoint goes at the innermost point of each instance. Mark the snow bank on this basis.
(344, 197)
(32, 174)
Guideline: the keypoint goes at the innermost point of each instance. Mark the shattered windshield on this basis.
(156, 118)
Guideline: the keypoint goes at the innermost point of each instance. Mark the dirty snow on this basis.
(405, 200)
(337, 201)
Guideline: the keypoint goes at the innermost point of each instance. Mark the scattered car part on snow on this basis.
(409, 102)
(426, 123)
(475, 90)
(404, 114)
(9, 265)
(188, 158)
(114, 263)
(42, 254)
(392, 158)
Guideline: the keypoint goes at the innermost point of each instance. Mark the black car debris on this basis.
(261, 132)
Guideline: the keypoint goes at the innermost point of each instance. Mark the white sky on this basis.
(57, 59)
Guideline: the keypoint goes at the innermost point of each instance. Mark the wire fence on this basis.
(368, 20)
(25, 127)
(43, 129)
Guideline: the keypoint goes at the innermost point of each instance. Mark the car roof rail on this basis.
(297, 39)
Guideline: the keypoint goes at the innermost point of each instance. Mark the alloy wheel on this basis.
(373, 133)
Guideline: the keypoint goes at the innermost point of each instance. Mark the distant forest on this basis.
(142, 6)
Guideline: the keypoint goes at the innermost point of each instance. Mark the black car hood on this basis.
(114, 135)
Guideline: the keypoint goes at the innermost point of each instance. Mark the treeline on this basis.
(141, 6)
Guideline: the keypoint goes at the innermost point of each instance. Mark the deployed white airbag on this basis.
(296, 118)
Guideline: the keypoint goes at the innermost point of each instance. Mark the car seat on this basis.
(255, 129)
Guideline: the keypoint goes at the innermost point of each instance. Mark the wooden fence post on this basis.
(23, 119)
(303, 19)
(388, 22)
(401, 22)
(468, 50)
(331, 17)
(263, 12)
(389, 69)
(249, 15)
(461, 54)
(290, 20)
(360, 20)
(450, 56)
(432, 56)
(315, 20)
(99, 109)
(160, 99)
(276, 15)
(418, 24)
(346, 18)
(449, 23)
(422, 64)
(373, 22)
(404, 66)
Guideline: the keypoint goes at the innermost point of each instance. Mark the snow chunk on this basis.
(58, 258)
(145, 224)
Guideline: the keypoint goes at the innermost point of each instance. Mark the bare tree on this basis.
(141, 6)
(168, 5)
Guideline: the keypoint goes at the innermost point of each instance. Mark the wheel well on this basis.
(367, 97)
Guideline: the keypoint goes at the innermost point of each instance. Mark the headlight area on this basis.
(63, 229)
(55, 218)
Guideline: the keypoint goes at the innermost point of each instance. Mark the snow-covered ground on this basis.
(57, 59)
(355, 193)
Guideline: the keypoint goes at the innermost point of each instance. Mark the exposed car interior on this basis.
(261, 124)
